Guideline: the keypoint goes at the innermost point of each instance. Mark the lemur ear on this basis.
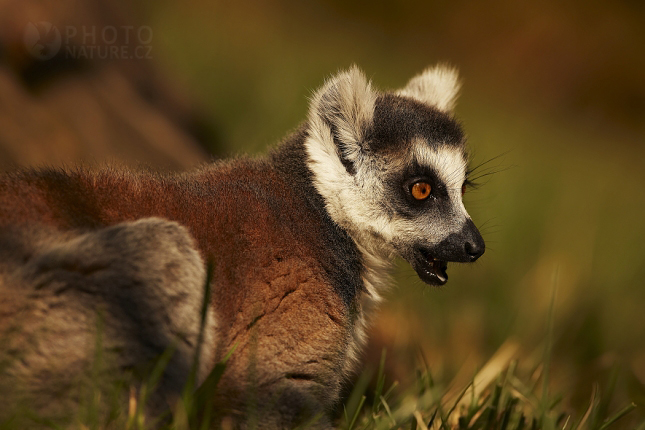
(342, 112)
(437, 86)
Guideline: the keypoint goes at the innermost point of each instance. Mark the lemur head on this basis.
(392, 169)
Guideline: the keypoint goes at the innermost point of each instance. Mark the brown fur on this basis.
(271, 298)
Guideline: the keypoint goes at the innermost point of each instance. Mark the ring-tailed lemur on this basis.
(300, 240)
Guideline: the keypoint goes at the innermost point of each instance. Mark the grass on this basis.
(507, 392)
(499, 396)
(496, 398)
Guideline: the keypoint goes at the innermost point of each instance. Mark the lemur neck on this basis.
(318, 188)
(290, 159)
(340, 255)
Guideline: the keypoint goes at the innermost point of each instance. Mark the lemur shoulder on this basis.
(300, 240)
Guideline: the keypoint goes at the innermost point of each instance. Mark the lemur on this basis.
(300, 240)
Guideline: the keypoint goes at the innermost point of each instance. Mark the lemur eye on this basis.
(421, 190)
(463, 189)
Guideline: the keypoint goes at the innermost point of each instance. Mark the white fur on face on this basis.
(399, 232)
(450, 165)
(437, 86)
(356, 202)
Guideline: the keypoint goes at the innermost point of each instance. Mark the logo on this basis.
(42, 40)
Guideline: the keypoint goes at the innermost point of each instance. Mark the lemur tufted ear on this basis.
(437, 86)
(342, 111)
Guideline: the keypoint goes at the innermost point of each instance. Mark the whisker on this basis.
(489, 160)
(487, 171)
(493, 172)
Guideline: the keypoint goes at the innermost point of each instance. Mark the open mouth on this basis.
(431, 270)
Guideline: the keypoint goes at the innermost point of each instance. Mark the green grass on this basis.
(507, 392)
(499, 396)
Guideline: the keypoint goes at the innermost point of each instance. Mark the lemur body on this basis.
(280, 266)
(299, 240)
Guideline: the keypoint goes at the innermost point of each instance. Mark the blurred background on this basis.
(553, 103)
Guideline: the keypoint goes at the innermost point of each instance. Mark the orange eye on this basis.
(421, 190)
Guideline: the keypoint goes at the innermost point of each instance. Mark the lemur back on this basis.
(299, 241)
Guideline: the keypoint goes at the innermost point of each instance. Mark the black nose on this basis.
(474, 250)
(465, 246)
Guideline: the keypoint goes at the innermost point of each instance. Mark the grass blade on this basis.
(380, 382)
(357, 413)
(388, 411)
(617, 416)
(544, 406)
(357, 397)
(589, 410)
(420, 424)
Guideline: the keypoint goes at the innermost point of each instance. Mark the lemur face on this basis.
(392, 169)
(425, 173)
